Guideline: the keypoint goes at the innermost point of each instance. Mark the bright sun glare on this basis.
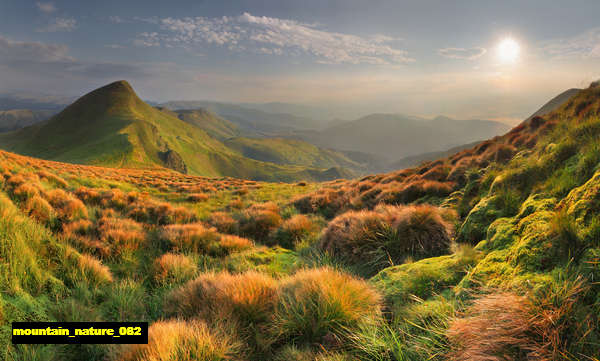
(508, 50)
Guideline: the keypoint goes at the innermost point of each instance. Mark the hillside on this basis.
(291, 151)
(206, 120)
(112, 126)
(491, 253)
(396, 136)
(415, 160)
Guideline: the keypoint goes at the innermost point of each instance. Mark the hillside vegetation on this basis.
(492, 253)
(112, 126)
(291, 151)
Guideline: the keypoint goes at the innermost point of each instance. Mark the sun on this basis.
(508, 50)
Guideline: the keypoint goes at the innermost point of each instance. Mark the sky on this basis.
(467, 59)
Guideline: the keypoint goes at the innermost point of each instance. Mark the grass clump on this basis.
(388, 235)
(321, 306)
(176, 340)
(174, 268)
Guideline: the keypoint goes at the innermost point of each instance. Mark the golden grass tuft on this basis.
(389, 233)
(223, 222)
(67, 207)
(317, 305)
(176, 340)
(173, 268)
(93, 270)
(193, 237)
(248, 297)
(39, 209)
(120, 234)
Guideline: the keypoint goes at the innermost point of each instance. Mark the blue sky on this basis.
(355, 57)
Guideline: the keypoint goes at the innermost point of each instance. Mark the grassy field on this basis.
(489, 254)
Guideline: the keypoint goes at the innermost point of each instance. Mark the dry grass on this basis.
(121, 234)
(93, 270)
(68, 208)
(177, 340)
(249, 297)
(258, 221)
(506, 326)
(193, 237)
(293, 230)
(223, 222)
(39, 209)
(388, 235)
(173, 268)
(321, 306)
(229, 244)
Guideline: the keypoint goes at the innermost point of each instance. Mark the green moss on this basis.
(424, 278)
(274, 261)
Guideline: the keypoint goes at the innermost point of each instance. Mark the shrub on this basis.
(229, 244)
(248, 298)
(193, 237)
(197, 197)
(26, 190)
(258, 221)
(53, 179)
(93, 271)
(68, 208)
(148, 211)
(322, 306)
(173, 268)
(223, 222)
(176, 340)
(293, 230)
(39, 208)
(120, 234)
(388, 234)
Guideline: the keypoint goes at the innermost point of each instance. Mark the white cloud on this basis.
(275, 36)
(45, 7)
(586, 45)
(116, 19)
(463, 53)
(14, 51)
(60, 24)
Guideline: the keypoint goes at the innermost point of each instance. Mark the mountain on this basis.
(19, 118)
(393, 136)
(251, 121)
(290, 151)
(112, 126)
(211, 123)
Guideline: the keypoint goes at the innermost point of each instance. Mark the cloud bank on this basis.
(269, 35)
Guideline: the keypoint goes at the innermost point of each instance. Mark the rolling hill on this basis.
(112, 126)
(250, 121)
(291, 151)
(206, 120)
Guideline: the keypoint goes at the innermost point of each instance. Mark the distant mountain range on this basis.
(266, 135)
(394, 136)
